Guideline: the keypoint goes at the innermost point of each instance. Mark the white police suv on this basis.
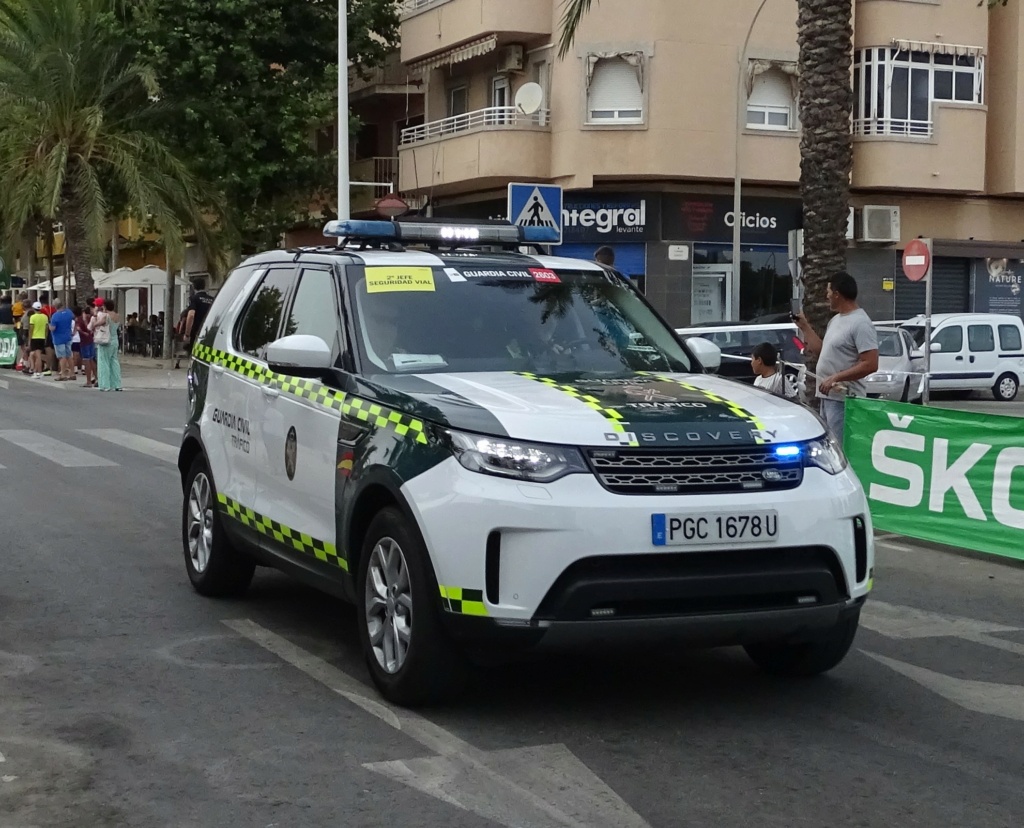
(487, 450)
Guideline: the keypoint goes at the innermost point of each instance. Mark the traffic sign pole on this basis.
(927, 396)
(917, 265)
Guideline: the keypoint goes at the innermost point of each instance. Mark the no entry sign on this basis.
(917, 260)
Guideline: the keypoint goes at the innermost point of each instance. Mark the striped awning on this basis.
(467, 51)
(937, 48)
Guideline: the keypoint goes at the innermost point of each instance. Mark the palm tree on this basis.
(79, 116)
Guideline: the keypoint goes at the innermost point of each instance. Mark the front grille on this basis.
(692, 471)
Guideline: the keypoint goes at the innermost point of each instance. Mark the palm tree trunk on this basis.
(77, 251)
(826, 106)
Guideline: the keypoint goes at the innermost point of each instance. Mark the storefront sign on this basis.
(943, 476)
(8, 348)
(711, 219)
(610, 217)
(998, 286)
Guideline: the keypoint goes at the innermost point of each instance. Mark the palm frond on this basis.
(573, 13)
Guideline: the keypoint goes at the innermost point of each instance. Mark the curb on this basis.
(885, 538)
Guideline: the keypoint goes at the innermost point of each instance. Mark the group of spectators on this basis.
(65, 342)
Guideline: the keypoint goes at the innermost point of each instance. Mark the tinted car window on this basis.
(981, 338)
(951, 339)
(315, 309)
(262, 318)
(889, 344)
(1009, 338)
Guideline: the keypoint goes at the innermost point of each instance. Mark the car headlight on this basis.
(879, 378)
(512, 458)
(825, 453)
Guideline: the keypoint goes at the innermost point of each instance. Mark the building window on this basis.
(615, 94)
(771, 104)
(458, 100)
(501, 101)
(895, 89)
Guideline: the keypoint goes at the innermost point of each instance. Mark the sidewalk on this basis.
(137, 374)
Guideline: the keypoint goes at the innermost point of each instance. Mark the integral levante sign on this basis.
(942, 476)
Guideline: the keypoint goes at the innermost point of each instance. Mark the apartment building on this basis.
(639, 124)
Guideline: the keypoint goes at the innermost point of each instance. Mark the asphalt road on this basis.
(127, 700)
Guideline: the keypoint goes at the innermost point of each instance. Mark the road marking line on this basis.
(899, 547)
(4, 384)
(482, 780)
(135, 442)
(55, 451)
(175, 429)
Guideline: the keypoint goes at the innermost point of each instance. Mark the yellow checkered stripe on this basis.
(614, 418)
(737, 410)
(464, 601)
(317, 393)
(321, 550)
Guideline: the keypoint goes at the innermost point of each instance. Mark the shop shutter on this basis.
(615, 93)
(951, 292)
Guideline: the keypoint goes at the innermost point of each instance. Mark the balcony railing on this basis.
(409, 6)
(893, 127)
(495, 117)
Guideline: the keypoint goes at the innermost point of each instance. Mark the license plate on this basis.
(726, 527)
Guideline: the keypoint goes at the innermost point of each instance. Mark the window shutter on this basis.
(772, 88)
(615, 93)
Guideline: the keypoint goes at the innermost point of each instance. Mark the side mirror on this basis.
(299, 355)
(708, 353)
(936, 347)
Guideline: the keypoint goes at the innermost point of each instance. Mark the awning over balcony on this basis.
(467, 51)
(937, 48)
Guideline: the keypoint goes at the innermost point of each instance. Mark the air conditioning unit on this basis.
(850, 224)
(880, 225)
(512, 59)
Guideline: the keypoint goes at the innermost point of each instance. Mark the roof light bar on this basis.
(454, 234)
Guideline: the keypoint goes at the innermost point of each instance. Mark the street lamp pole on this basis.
(343, 171)
(737, 200)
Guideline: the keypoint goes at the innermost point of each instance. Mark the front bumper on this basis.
(572, 560)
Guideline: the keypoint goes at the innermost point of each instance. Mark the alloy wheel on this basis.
(388, 605)
(200, 522)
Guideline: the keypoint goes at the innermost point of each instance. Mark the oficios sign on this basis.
(610, 217)
(944, 476)
(712, 219)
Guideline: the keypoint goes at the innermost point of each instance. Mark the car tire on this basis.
(397, 593)
(1006, 388)
(806, 658)
(215, 567)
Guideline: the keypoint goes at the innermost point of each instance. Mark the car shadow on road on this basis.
(594, 682)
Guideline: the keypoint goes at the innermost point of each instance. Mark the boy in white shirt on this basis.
(764, 360)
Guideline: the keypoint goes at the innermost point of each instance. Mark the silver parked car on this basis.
(900, 376)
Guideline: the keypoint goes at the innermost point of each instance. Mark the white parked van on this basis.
(974, 352)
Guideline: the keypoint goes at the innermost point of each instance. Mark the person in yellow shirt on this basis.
(38, 323)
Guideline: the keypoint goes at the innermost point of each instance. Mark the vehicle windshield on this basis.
(889, 344)
(500, 317)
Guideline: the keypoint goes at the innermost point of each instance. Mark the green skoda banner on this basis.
(8, 348)
(943, 476)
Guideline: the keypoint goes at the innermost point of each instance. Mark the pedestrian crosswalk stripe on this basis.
(55, 451)
(175, 429)
(135, 442)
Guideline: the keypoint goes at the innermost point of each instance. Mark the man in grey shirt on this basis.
(847, 354)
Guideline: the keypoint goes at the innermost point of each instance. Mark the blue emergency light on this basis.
(787, 452)
(443, 234)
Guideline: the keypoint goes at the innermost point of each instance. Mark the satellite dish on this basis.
(529, 98)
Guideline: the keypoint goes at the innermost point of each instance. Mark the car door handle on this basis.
(959, 359)
(218, 369)
(273, 393)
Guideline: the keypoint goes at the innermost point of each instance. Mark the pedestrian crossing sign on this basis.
(536, 205)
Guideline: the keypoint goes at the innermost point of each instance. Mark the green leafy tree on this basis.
(80, 116)
(253, 80)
